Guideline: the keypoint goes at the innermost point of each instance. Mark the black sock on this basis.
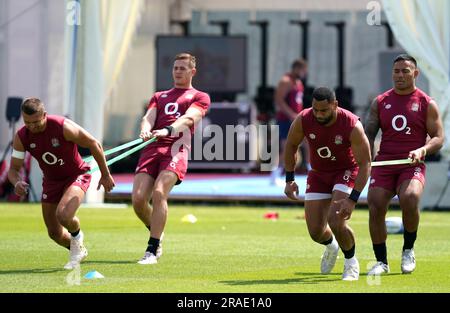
(327, 242)
(349, 253)
(409, 239)
(153, 245)
(75, 233)
(380, 252)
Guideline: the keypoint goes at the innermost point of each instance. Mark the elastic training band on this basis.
(391, 162)
(124, 155)
(113, 150)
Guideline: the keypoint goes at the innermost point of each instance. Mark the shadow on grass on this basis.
(55, 270)
(108, 262)
(32, 271)
(307, 278)
(382, 275)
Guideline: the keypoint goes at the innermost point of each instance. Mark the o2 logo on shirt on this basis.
(51, 159)
(325, 153)
(173, 163)
(403, 125)
(417, 171)
(347, 175)
(171, 108)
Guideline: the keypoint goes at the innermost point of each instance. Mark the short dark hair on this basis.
(405, 57)
(188, 57)
(300, 63)
(324, 93)
(31, 106)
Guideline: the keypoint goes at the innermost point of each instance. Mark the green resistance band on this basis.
(393, 162)
(125, 154)
(113, 150)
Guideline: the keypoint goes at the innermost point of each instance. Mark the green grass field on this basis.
(229, 249)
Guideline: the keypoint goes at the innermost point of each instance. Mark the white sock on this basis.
(333, 243)
(77, 237)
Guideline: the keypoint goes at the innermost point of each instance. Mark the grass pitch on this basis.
(229, 249)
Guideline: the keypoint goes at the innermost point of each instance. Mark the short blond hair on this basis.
(186, 56)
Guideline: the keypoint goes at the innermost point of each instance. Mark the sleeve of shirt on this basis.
(153, 102)
(354, 120)
(201, 102)
(23, 138)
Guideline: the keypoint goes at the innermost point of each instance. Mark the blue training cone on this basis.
(93, 275)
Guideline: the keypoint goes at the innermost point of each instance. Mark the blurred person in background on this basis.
(288, 104)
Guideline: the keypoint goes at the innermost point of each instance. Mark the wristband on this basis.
(18, 154)
(354, 195)
(290, 176)
(169, 129)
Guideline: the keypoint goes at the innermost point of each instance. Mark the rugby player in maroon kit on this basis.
(163, 163)
(52, 140)
(288, 103)
(406, 116)
(340, 161)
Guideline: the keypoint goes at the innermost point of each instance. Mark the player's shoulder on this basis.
(384, 95)
(198, 94)
(286, 78)
(56, 119)
(305, 113)
(347, 114)
(22, 131)
(422, 95)
(160, 93)
(348, 117)
(306, 117)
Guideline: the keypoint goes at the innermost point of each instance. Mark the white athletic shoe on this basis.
(148, 258)
(78, 252)
(378, 269)
(408, 261)
(351, 269)
(329, 257)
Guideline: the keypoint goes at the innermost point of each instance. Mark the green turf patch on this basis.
(229, 249)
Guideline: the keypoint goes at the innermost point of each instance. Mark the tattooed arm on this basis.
(372, 125)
